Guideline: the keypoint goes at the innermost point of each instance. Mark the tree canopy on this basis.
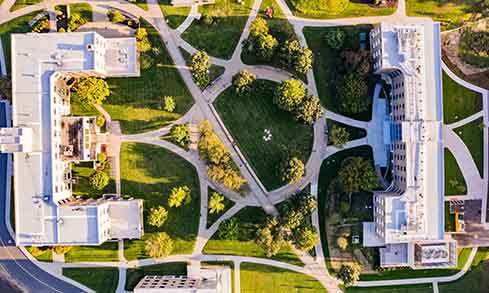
(270, 237)
(293, 170)
(352, 94)
(200, 65)
(338, 136)
(357, 174)
(159, 245)
(289, 94)
(216, 203)
(178, 196)
(349, 273)
(92, 90)
(99, 180)
(243, 82)
(157, 216)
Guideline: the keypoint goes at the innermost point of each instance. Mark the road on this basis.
(12, 260)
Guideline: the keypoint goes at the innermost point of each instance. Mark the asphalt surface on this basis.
(12, 260)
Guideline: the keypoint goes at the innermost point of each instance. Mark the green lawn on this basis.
(101, 280)
(105, 252)
(220, 38)
(325, 64)
(136, 101)
(82, 109)
(453, 175)
(150, 172)
(172, 268)
(450, 13)
(476, 280)
(472, 135)
(17, 25)
(223, 263)
(316, 9)
(355, 133)
(458, 102)
(84, 9)
(23, 3)
(328, 172)
(428, 288)
(174, 16)
(81, 172)
(140, 3)
(257, 278)
(249, 218)
(47, 256)
(449, 219)
(211, 218)
(247, 117)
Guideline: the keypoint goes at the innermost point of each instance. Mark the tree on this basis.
(356, 174)
(116, 16)
(100, 121)
(180, 134)
(92, 90)
(293, 219)
(335, 38)
(349, 273)
(306, 238)
(243, 82)
(101, 157)
(338, 136)
(142, 41)
(266, 45)
(216, 203)
(229, 230)
(157, 216)
(342, 242)
(289, 94)
(293, 170)
(258, 27)
(352, 93)
(159, 245)
(292, 55)
(99, 180)
(303, 60)
(270, 238)
(200, 65)
(309, 111)
(178, 196)
(169, 104)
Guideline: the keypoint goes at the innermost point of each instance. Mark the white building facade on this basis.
(409, 215)
(45, 139)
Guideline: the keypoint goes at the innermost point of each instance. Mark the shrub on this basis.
(159, 245)
(229, 230)
(309, 111)
(342, 243)
(116, 16)
(145, 61)
(178, 196)
(293, 170)
(37, 251)
(293, 219)
(75, 21)
(92, 90)
(338, 136)
(101, 157)
(157, 216)
(216, 203)
(169, 104)
(258, 27)
(293, 56)
(243, 82)
(335, 38)
(99, 180)
(265, 46)
(100, 121)
(349, 273)
(207, 19)
(61, 249)
(180, 134)
(474, 47)
(143, 42)
(200, 65)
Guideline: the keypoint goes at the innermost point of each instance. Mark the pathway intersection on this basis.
(259, 196)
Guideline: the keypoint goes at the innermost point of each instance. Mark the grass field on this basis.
(101, 280)
(81, 172)
(105, 252)
(472, 135)
(458, 102)
(328, 172)
(211, 218)
(136, 101)
(450, 13)
(392, 289)
(325, 64)
(23, 3)
(17, 25)
(174, 16)
(452, 172)
(249, 218)
(150, 172)
(140, 3)
(220, 38)
(247, 117)
(257, 278)
(316, 9)
(172, 268)
(355, 133)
